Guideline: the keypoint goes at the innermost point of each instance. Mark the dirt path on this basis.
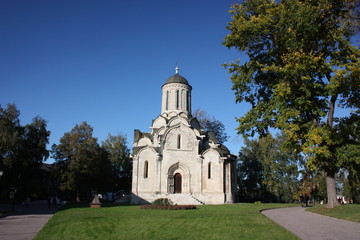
(309, 226)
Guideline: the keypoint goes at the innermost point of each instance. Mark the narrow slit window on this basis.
(209, 170)
(179, 141)
(188, 102)
(167, 100)
(177, 99)
(146, 169)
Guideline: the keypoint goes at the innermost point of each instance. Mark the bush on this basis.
(162, 202)
(167, 204)
(169, 207)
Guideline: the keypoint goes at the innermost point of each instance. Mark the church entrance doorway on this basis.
(177, 183)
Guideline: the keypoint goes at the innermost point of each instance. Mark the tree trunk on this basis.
(331, 191)
(330, 175)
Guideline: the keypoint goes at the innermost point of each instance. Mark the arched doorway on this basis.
(177, 183)
(178, 179)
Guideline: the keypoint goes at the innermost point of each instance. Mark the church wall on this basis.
(147, 177)
(212, 180)
(188, 169)
(181, 138)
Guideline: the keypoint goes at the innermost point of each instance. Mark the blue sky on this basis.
(104, 62)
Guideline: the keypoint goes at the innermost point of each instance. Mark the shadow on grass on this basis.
(87, 205)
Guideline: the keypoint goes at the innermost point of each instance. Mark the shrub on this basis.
(162, 202)
(169, 207)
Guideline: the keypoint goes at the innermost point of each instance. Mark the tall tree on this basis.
(10, 133)
(119, 156)
(301, 67)
(33, 153)
(210, 124)
(36, 137)
(348, 154)
(22, 149)
(352, 14)
(267, 171)
(251, 173)
(81, 164)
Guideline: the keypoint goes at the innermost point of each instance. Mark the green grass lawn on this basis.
(232, 221)
(349, 212)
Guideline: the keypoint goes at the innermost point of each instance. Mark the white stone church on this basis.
(177, 159)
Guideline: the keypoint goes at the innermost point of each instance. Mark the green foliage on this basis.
(119, 156)
(352, 16)
(230, 221)
(22, 151)
(312, 184)
(163, 202)
(168, 207)
(267, 171)
(348, 155)
(301, 66)
(81, 164)
(210, 124)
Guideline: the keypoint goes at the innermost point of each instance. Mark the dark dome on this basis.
(177, 79)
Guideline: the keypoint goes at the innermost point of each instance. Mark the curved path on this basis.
(308, 225)
(24, 223)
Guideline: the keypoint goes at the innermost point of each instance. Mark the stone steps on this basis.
(184, 199)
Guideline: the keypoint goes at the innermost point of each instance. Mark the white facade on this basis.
(177, 160)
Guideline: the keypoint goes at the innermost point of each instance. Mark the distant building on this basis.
(177, 159)
(49, 183)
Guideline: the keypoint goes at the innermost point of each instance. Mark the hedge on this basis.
(169, 207)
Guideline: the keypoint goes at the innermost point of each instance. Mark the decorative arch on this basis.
(144, 142)
(188, 137)
(210, 150)
(146, 148)
(178, 174)
(177, 121)
(159, 122)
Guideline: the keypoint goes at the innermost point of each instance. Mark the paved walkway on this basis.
(24, 223)
(309, 226)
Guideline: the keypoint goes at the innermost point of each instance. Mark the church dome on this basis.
(177, 78)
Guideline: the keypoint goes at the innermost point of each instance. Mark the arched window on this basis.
(146, 169)
(188, 102)
(209, 170)
(167, 100)
(182, 99)
(177, 99)
(179, 141)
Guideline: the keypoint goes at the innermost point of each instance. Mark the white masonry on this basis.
(177, 159)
